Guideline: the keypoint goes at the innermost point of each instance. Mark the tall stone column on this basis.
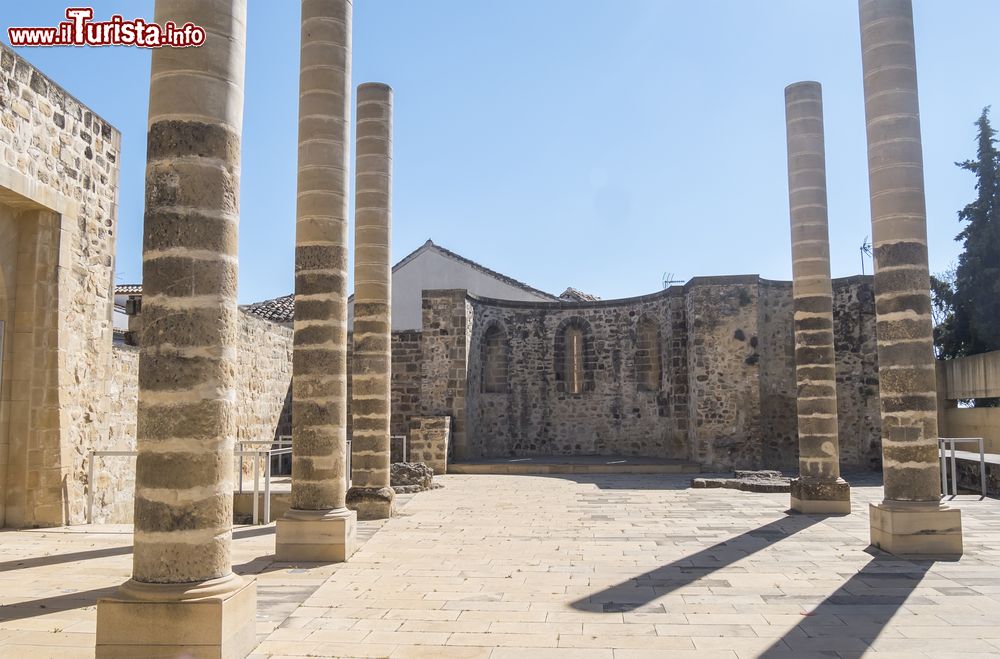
(319, 527)
(371, 496)
(819, 487)
(183, 597)
(911, 519)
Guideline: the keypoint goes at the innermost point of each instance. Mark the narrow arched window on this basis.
(647, 355)
(494, 361)
(574, 357)
(573, 366)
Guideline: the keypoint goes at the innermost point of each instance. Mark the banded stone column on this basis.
(319, 527)
(182, 575)
(819, 487)
(911, 519)
(370, 494)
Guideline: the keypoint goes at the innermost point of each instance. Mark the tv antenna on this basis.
(866, 250)
(668, 280)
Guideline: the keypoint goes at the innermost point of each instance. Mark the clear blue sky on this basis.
(586, 143)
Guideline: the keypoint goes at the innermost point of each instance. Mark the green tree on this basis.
(969, 309)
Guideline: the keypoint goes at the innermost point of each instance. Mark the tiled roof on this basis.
(282, 309)
(278, 310)
(431, 245)
(573, 295)
(128, 289)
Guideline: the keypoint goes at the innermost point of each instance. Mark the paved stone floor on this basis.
(614, 567)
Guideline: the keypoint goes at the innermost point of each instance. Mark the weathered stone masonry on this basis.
(58, 212)
(727, 382)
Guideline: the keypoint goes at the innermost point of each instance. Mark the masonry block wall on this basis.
(58, 214)
(725, 394)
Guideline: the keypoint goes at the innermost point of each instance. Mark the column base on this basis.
(213, 619)
(916, 528)
(319, 536)
(820, 497)
(372, 502)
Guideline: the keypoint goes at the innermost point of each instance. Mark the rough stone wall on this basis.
(429, 442)
(66, 159)
(776, 344)
(445, 361)
(859, 418)
(612, 415)
(723, 371)
(727, 392)
(406, 359)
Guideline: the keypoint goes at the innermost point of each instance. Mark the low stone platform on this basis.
(585, 464)
(748, 481)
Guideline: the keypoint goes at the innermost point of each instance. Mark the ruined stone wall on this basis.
(726, 395)
(61, 161)
(723, 371)
(539, 414)
(776, 344)
(858, 414)
(447, 323)
(406, 359)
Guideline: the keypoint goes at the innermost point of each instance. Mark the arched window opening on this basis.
(494, 361)
(573, 367)
(574, 357)
(647, 355)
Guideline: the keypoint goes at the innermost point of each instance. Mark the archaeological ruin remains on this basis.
(813, 377)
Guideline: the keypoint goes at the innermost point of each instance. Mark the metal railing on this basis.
(257, 454)
(284, 447)
(241, 452)
(942, 451)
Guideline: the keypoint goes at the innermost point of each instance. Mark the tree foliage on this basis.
(967, 305)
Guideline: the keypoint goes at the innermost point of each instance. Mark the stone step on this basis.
(544, 467)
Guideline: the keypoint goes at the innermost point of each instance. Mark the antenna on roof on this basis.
(668, 280)
(866, 250)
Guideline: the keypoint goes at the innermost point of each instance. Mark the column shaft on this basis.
(817, 489)
(371, 494)
(902, 288)
(185, 433)
(319, 366)
(182, 572)
(319, 527)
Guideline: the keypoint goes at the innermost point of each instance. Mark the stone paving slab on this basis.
(608, 566)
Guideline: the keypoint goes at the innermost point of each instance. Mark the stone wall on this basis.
(776, 342)
(723, 372)
(59, 175)
(858, 414)
(539, 415)
(429, 443)
(263, 407)
(727, 389)
(263, 380)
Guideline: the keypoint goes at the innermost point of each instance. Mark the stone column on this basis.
(370, 494)
(911, 519)
(183, 597)
(319, 527)
(819, 488)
